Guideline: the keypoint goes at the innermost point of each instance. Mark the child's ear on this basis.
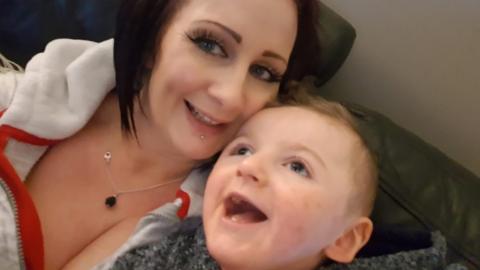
(344, 249)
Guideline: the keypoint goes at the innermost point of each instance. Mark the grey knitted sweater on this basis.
(184, 247)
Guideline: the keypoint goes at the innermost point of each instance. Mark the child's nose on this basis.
(252, 168)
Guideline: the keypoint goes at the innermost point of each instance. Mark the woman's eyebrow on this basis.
(237, 37)
(274, 55)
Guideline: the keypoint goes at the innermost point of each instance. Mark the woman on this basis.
(188, 73)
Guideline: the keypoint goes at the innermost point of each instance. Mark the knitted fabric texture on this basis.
(429, 258)
(185, 248)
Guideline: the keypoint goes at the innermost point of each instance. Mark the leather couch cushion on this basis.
(421, 188)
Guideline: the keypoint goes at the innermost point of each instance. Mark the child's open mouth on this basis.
(239, 210)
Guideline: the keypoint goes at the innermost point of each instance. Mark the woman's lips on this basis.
(201, 116)
(202, 123)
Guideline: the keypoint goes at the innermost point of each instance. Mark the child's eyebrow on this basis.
(241, 134)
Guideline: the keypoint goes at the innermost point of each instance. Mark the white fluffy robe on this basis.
(60, 90)
(55, 97)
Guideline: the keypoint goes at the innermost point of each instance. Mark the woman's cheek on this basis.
(258, 95)
(184, 78)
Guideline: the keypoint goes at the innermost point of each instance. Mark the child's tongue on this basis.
(241, 211)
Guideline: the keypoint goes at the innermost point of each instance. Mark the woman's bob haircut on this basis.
(141, 25)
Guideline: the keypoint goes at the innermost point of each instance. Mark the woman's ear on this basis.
(344, 249)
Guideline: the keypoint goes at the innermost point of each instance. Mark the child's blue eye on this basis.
(243, 151)
(299, 168)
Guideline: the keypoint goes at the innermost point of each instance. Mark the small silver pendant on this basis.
(107, 157)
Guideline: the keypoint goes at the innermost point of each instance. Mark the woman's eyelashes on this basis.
(210, 44)
(265, 73)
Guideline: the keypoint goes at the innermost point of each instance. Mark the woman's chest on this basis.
(66, 189)
(69, 186)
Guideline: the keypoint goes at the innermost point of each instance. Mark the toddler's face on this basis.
(278, 194)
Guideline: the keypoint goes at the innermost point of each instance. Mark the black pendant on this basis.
(111, 201)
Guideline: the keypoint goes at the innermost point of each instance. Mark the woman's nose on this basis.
(229, 91)
(252, 168)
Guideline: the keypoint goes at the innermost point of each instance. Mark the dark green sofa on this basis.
(420, 187)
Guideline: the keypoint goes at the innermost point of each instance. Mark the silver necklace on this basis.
(111, 200)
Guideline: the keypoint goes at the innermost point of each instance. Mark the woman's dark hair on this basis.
(141, 25)
(306, 53)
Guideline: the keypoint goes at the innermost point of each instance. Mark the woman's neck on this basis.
(148, 156)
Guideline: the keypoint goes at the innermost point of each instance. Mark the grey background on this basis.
(417, 62)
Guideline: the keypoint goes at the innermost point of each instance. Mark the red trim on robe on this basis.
(183, 211)
(29, 221)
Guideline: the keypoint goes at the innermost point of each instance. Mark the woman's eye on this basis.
(299, 168)
(210, 46)
(206, 42)
(264, 74)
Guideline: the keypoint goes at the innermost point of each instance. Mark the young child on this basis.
(292, 190)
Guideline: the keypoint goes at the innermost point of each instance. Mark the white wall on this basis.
(417, 62)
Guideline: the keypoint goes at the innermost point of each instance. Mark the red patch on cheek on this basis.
(307, 205)
(293, 235)
(299, 232)
(293, 226)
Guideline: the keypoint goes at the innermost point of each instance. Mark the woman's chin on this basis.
(199, 147)
(200, 150)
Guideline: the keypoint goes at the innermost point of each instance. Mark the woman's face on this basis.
(219, 62)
